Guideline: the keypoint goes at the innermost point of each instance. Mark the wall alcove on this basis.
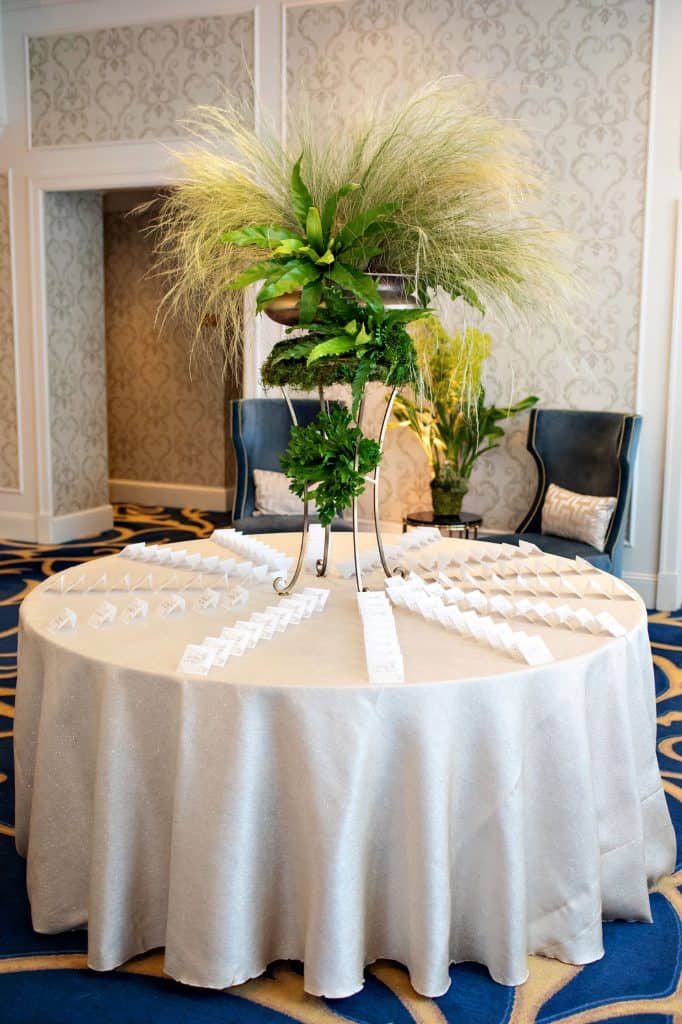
(133, 422)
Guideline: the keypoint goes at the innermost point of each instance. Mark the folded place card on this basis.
(253, 630)
(197, 660)
(239, 639)
(281, 615)
(321, 595)
(98, 586)
(135, 611)
(76, 584)
(173, 604)
(234, 597)
(64, 622)
(221, 647)
(268, 622)
(207, 600)
(132, 550)
(103, 615)
(610, 625)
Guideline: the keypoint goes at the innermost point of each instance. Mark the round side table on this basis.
(465, 523)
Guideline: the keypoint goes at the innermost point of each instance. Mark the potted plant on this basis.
(348, 238)
(450, 417)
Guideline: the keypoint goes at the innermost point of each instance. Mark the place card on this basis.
(235, 597)
(281, 615)
(103, 615)
(173, 604)
(315, 546)
(210, 564)
(527, 548)
(132, 550)
(253, 630)
(135, 611)
(222, 649)
(64, 622)
(143, 583)
(268, 622)
(500, 605)
(239, 639)
(77, 585)
(610, 625)
(197, 660)
(100, 585)
(321, 595)
(207, 601)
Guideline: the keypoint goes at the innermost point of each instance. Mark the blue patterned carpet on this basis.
(44, 979)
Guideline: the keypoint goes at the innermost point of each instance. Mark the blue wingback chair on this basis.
(260, 433)
(586, 452)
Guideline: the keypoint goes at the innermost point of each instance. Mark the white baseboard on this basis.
(645, 584)
(87, 522)
(18, 526)
(149, 492)
(669, 591)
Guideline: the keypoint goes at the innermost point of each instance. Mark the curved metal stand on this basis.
(398, 570)
(322, 563)
(284, 586)
(354, 510)
(281, 585)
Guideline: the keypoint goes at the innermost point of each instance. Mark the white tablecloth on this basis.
(283, 807)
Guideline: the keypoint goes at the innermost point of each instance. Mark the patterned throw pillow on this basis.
(273, 497)
(577, 516)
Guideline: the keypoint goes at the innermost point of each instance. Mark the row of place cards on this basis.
(370, 560)
(136, 610)
(210, 564)
(534, 611)
(237, 640)
(382, 647)
(248, 547)
(412, 595)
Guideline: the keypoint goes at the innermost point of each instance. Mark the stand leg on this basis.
(354, 512)
(398, 570)
(281, 585)
(322, 563)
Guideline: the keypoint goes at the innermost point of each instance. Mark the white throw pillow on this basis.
(582, 517)
(273, 497)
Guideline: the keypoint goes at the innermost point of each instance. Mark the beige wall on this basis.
(576, 76)
(163, 426)
(134, 81)
(9, 455)
(76, 364)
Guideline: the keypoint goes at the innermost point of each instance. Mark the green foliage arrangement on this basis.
(348, 343)
(307, 259)
(451, 420)
(438, 190)
(323, 456)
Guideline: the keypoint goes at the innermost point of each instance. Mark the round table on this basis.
(466, 523)
(284, 808)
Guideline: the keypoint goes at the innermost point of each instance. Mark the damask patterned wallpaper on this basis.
(135, 81)
(163, 426)
(575, 73)
(9, 456)
(75, 338)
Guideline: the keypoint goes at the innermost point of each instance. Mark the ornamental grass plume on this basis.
(457, 179)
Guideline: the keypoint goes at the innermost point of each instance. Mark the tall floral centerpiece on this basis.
(347, 238)
(451, 418)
